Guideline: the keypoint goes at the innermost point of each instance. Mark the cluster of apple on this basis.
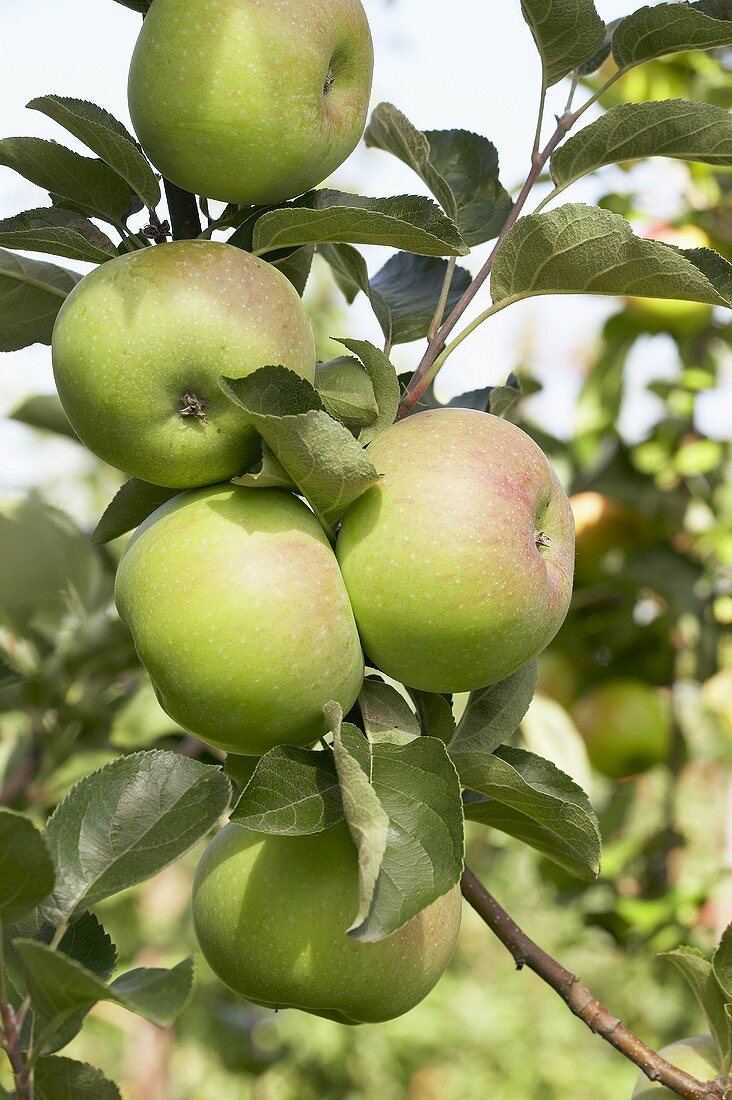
(451, 573)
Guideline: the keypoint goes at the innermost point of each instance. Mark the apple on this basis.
(626, 725)
(607, 531)
(698, 1056)
(139, 346)
(250, 102)
(239, 614)
(271, 915)
(459, 562)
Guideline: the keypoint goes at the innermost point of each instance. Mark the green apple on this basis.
(271, 915)
(459, 562)
(626, 725)
(139, 346)
(607, 531)
(239, 614)
(665, 315)
(698, 1056)
(251, 102)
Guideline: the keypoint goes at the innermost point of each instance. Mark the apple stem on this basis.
(191, 405)
(580, 1000)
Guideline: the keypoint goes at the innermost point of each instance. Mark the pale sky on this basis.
(469, 64)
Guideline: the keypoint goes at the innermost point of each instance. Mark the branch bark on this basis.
(580, 1001)
(183, 210)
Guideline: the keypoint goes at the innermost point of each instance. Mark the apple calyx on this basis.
(329, 82)
(542, 540)
(191, 405)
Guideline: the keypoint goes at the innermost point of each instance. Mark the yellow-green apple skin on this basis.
(459, 562)
(626, 725)
(139, 346)
(240, 616)
(271, 915)
(699, 1057)
(251, 101)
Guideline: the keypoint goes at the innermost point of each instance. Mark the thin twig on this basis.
(444, 298)
(580, 1001)
(427, 369)
(419, 382)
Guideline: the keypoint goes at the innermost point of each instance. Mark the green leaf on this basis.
(320, 455)
(709, 990)
(105, 136)
(436, 718)
(57, 232)
(240, 769)
(403, 295)
(390, 130)
(267, 473)
(459, 168)
(26, 869)
(580, 249)
(548, 731)
(421, 858)
(494, 713)
(410, 222)
(598, 59)
(675, 128)
(90, 185)
(347, 392)
(672, 28)
(504, 399)
(367, 820)
(722, 964)
(158, 994)
(408, 288)
(387, 715)
(133, 503)
(384, 379)
(566, 33)
(31, 294)
(65, 1079)
(534, 802)
(136, 5)
(296, 267)
(126, 822)
(469, 164)
(348, 268)
(85, 941)
(293, 792)
(60, 988)
(45, 412)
